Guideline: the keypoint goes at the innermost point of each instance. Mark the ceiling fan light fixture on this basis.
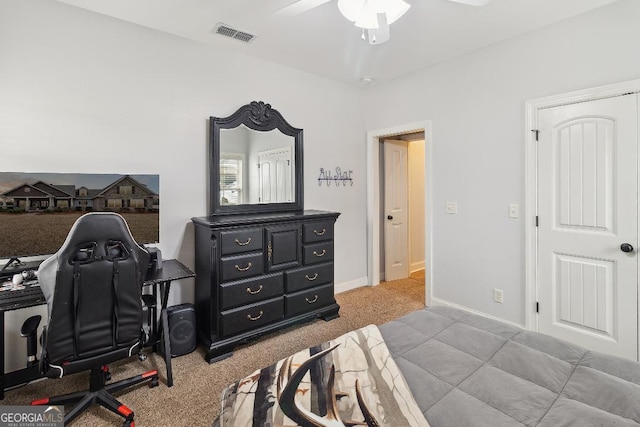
(368, 18)
(351, 9)
(394, 9)
(365, 12)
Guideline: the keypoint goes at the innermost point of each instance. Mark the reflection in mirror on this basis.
(256, 167)
(255, 162)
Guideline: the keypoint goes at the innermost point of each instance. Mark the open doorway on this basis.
(393, 256)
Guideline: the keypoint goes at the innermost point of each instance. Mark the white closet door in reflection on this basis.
(275, 174)
(256, 167)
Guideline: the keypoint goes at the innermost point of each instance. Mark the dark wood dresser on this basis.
(256, 273)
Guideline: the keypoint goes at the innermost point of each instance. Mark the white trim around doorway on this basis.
(373, 200)
(531, 178)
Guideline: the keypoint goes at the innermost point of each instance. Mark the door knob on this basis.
(626, 247)
(389, 217)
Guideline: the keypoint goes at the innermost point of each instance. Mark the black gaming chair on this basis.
(93, 287)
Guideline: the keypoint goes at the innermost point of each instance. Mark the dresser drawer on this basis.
(303, 278)
(302, 302)
(252, 316)
(239, 267)
(238, 241)
(317, 231)
(249, 291)
(318, 252)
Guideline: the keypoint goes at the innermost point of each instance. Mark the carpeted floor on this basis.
(194, 399)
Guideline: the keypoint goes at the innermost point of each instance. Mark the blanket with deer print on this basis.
(352, 380)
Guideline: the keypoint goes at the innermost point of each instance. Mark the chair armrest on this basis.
(30, 326)
(30, 330)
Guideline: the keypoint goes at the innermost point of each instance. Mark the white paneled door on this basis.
(588, 224)
(275, 175)
(396, 230)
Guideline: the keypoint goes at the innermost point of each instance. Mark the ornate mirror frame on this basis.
(260, 117)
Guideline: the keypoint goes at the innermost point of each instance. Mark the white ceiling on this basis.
(321, 41)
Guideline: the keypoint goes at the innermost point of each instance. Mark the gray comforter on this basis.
(466, 370)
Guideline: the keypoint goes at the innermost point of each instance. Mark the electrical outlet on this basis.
(498, 296)
(451, 208)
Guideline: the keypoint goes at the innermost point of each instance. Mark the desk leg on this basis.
(167, 346)
(165, 288)
(154, 320)
(1, 355)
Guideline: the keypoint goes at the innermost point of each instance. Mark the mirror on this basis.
(256, 162)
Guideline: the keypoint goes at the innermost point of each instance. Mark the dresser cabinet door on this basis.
(283, 247)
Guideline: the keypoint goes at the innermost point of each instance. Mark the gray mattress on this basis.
(467, 370)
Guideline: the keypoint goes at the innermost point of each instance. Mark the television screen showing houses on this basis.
(37, 210)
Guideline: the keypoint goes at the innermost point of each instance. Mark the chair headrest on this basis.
(90, 251)
(98, 235)
(115, 250)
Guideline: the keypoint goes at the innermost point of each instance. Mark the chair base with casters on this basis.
(100, 393)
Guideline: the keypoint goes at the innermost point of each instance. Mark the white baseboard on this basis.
(354, 284)
(416, 266)
(437, 301)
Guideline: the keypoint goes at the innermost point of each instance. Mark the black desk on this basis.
(160, 280)
(22, 375)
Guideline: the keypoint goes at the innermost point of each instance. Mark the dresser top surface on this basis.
(224, 220)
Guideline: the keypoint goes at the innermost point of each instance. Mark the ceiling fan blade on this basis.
(472, 2)
(299, 7)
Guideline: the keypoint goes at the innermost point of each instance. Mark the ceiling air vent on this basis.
(229, 31)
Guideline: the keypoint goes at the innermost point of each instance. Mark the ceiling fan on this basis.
(373, 16)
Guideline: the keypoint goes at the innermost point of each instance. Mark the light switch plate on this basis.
(451, 208)
(514, 211)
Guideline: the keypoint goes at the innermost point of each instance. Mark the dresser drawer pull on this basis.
(253, 319)
(315, 298)
(243, 269)
(239, 243)
(323, 253)
(311, 279)
(320, 233)
(252, 292)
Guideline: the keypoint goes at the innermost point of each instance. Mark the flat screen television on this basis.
(37, 210)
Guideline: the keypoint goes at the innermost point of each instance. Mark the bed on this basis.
(440, 367)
